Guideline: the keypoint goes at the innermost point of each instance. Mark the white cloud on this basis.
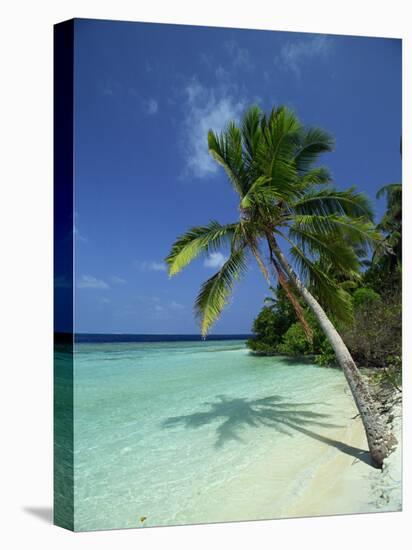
(207, 109)
(239, 57)
(165, 310)
(110, 87)
(117, 280)
(151, 266)
(150, 106)
(294, 54)
(215, 260)
(155, 266)
(88, 281)
(222, 74)
(176, 306)
(206, 59)
(156, 307)
(232, 55)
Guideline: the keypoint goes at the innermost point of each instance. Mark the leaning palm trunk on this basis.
(379, 439)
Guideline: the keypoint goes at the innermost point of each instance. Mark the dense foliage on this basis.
(373, 335)
(277, 331)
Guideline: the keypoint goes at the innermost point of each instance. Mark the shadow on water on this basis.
(235, 414)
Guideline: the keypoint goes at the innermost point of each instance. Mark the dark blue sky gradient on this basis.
(145, 95)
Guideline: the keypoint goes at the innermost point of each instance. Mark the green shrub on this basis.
(363, 297)
(271, 324)
(295, 342)
(375, 335)
(325, 356)
(261, 348)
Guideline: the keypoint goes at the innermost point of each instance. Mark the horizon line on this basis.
(154, 333)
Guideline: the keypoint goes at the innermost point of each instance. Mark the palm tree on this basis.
(391, 225)
(284, 197)
(271, 301)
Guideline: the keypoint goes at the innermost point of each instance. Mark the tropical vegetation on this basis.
(289, 210)
(374, 334)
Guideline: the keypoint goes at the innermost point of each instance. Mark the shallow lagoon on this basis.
(194, 432)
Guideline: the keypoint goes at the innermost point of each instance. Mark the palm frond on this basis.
(226, 148)
(331, 201)
(390, 190)
(313, 142)
(251, 133)
(266, 191)
(325, 289)
(269, 302)
(316, 176)
(197, 240)
(326, 248)
(390, 251)
(253, 192)
(280, 133)
(214, 293)
(356, 232)
(392, 219)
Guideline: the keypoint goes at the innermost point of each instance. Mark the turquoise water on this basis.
(193, 432)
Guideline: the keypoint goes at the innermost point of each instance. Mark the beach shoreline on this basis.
(344, 485)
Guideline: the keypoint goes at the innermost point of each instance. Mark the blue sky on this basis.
(145, 96)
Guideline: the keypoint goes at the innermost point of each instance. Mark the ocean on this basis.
(189, 431)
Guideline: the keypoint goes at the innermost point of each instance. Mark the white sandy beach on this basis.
(343, 485)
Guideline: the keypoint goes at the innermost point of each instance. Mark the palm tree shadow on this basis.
(235, 414)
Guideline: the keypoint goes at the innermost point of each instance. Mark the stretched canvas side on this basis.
(63, 276)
